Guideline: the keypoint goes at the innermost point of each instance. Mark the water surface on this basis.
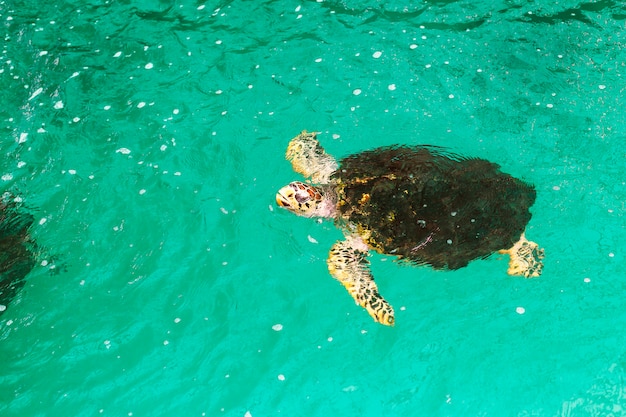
(147, 140)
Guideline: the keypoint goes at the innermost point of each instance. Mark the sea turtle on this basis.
(16, 249)
(423, 204)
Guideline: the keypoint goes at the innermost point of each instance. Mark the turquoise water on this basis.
(147, 139)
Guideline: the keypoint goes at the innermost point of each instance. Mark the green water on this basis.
(147, 139)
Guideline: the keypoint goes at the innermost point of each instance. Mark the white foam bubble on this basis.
(58, 105)
(311, 239)
(281, 377)
(391, 87)
(117, 54)
(149, 65)
(356, 91)
(141, 104)
(23, 137)
(520, 310)
(377, 54)
(123, 151)
(7, 177)
(35, 93)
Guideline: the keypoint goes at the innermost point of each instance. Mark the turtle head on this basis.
(304, 200)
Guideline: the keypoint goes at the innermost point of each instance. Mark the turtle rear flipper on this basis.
(310, 159)
(347, 262)
(526, 258)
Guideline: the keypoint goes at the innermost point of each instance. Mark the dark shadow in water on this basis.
(579, 13)
(16, 251)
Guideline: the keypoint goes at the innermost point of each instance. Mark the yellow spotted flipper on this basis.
(310, 159)
(347, 263)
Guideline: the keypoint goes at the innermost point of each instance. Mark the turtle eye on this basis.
(302, 197)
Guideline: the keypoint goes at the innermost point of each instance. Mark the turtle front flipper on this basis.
(347, 262)
(310, 159)
(526, 258)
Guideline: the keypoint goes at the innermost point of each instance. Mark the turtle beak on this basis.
(282, 200)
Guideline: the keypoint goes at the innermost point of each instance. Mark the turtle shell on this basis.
(431, 207)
